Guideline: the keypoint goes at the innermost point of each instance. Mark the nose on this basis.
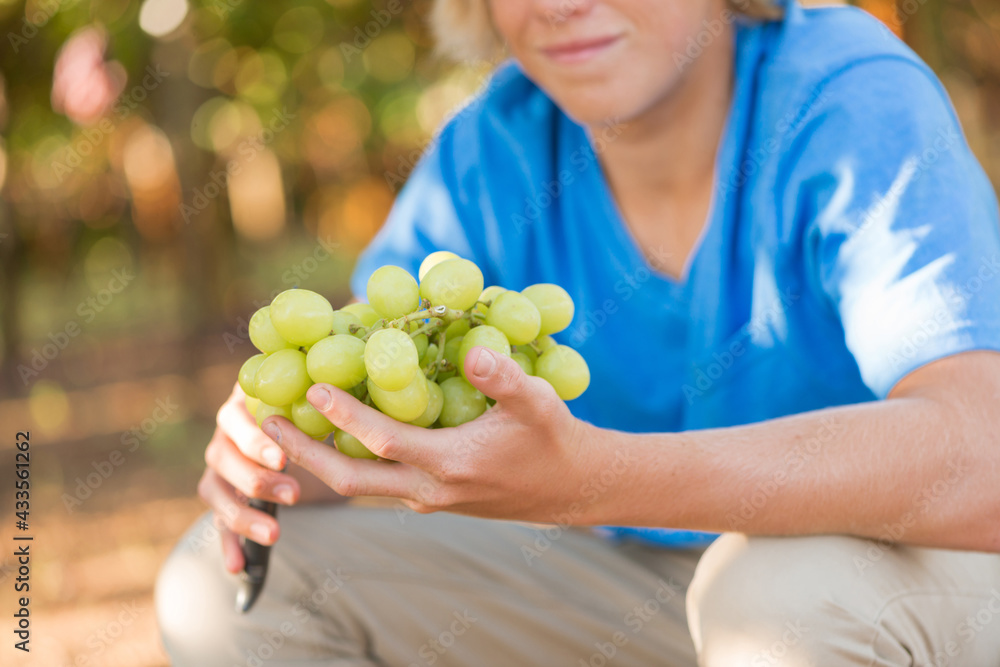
(555, 12)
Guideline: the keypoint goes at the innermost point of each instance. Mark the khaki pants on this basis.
(366, 586)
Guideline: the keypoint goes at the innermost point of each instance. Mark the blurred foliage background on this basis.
(166, 167)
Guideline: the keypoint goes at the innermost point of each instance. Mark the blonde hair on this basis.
(464, 31)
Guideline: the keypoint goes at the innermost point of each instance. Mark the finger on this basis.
(380, 433)
(241, 428)
(502, 379)
(345, 475)
(232, 552)
(234, 515)
(251, 479)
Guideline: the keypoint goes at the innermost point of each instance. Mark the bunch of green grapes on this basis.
(404, 351)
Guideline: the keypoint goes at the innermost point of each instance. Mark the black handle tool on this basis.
(256, 557)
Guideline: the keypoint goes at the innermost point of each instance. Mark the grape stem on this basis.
(436, 365)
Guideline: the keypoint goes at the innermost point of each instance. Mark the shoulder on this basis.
(820, 42)
(842, 57)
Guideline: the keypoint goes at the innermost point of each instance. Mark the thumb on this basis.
(498, 376)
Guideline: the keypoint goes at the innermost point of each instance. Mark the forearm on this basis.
(914, 469)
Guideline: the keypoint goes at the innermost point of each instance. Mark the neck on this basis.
(671, 146)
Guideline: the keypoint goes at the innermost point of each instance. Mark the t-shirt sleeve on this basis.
(903, 234)
(422, 220)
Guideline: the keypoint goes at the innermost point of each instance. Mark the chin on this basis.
(595, 110)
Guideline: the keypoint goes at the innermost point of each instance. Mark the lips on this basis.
(581, 50)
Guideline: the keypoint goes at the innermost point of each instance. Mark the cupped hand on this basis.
(526, 458)
(243, 463)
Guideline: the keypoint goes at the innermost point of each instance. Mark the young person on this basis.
(784, 258)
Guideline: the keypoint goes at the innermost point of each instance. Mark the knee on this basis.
(193, 595)
(771, 601)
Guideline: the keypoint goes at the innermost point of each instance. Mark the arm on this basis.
(919, 467)
(528, 458)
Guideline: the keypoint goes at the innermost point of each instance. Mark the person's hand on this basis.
(243, 463)
(525, 458)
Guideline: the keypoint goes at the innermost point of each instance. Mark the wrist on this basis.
(608, 459)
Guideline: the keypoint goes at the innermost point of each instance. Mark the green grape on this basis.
(359, 391)
(434, 403)
(444, 375)
(393, 292)
(404, 405)
(516, 316)
(309, 420)
(429, 356)
(432, 260)
(486, 336)
(554, 304)
(251, 404)
(457, 329)
(528, 351)
(462, 402)
(363, 312)
(524, 361)
(248, 371)
(282, 378)
(451, 348)
(264, 411)
(545, 342)
(348, 445)
(455, 283)
(263, 335)
(488, 295)
(420, 342)
(338, 360)
(564, 369)
(301, 317)
(342, 321)
(391, 359)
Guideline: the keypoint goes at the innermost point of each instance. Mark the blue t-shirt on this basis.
(853, 236)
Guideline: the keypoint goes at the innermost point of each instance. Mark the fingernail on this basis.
(261, 533)
(271, 454)
(486, 363)
(273, 432)
(320, 397)
(285, 494)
